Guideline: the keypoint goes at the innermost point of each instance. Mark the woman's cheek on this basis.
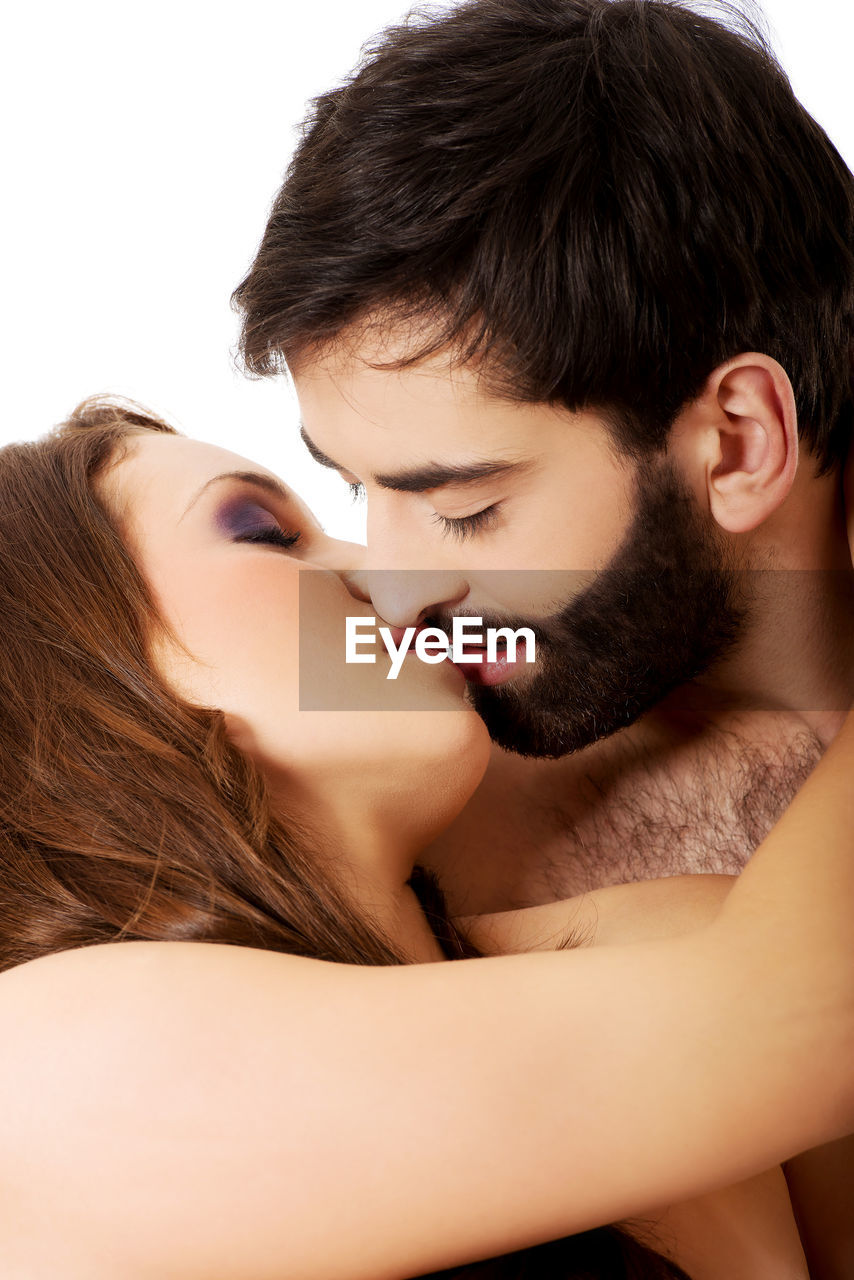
(239, 623)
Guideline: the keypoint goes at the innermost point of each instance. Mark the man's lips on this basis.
(488, 673)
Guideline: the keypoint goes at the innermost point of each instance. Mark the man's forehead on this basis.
(348, 384)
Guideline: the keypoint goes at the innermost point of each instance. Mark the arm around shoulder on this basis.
(186, 1109)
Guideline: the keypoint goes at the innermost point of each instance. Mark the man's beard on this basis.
(664, 610)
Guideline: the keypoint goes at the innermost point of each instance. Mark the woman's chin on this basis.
(452, 756)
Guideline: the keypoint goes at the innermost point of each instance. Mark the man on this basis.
(567, 287)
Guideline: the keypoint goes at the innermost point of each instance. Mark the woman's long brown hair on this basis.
(125, 812)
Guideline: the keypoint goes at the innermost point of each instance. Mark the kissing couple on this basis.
(565, 288)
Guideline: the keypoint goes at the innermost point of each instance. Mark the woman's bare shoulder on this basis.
(641, 912)
(100, 970)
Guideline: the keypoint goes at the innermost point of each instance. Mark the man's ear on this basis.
(747, 442)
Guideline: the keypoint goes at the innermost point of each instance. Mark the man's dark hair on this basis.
(604, 199)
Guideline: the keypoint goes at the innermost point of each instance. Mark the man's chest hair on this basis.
(651, 801)
(638, 811)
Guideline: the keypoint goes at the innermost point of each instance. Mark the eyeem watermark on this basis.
(432, 645)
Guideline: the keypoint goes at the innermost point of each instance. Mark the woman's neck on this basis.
(372, 858)
(416, 936)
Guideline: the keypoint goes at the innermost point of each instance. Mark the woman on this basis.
(302, 1103)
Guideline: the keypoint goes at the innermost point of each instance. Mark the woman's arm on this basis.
(821, 1182)
(184, 1110)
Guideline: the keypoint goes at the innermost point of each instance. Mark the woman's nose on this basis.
(405, 597)
(334, 553)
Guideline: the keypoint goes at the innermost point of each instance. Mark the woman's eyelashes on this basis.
(274, 536)
(243, 521)
(462, 527)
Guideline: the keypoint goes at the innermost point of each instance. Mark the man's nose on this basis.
(404, 597)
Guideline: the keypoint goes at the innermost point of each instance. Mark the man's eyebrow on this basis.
(316, 453)
(267, 484)
(437, 475)
(431, 475)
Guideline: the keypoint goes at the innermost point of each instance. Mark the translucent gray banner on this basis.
(616, 644)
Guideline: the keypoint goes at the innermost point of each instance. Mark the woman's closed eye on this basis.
(273, 535)
(244, 521)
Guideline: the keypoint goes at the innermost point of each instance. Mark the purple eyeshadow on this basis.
(242, 516)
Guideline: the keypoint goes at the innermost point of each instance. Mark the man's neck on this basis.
(796, 652)
(796, 657)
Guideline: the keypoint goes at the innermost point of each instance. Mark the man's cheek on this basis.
(529, 593)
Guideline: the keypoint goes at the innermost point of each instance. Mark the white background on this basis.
(143, 146)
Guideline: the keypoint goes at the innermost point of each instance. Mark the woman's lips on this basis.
(397, 633)
(483, 672)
